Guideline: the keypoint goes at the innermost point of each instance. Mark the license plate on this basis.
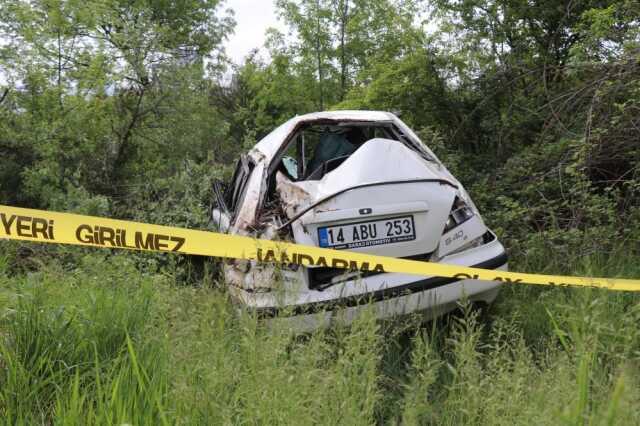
(366, 234)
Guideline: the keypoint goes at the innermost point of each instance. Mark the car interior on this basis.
(317, 149)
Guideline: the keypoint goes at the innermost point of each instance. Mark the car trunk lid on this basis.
(385, 199)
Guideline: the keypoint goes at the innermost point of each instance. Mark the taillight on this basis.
(460, 213)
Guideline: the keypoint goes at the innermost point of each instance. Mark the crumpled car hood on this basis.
(377, 161)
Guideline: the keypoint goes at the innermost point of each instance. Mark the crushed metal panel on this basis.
(249, 207)
(377, 160)
(292, 195)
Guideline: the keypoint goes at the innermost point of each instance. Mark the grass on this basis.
(102, 343)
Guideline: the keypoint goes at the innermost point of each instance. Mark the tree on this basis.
(341, 8)
(311, 21)
(94, 88)
(340, 40)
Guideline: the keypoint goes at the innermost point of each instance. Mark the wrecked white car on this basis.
(352, 180)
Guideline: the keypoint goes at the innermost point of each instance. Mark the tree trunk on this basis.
(124, 136)
(59, 69)
(4, 95)
(343, 59)
(319, 56)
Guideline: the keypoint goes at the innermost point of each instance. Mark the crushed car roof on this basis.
(270, 144)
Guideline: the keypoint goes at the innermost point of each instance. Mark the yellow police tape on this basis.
(65, 228)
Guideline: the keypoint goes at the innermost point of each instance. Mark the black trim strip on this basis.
(321, 285)
(366, 185)
(376, 296)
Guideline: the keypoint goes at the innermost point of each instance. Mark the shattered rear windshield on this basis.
(318, 149)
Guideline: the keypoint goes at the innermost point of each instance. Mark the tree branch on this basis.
(4, 95)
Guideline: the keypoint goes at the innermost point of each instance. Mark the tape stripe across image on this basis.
(89, 231)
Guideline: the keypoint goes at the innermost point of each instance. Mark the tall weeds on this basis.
(106, 344)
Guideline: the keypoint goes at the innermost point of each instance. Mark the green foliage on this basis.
(123, 109)
(59, 342)
(101, 92)
(411, 87)
(105, 343)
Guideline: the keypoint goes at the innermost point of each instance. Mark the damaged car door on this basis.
(227, 199)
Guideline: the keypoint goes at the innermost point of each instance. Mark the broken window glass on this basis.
(235, 192)
(318, 149)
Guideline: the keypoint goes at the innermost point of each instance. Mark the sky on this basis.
(253, 17)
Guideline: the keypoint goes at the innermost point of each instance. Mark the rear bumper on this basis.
(429, 304)
(408, 292)
(384, 294)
